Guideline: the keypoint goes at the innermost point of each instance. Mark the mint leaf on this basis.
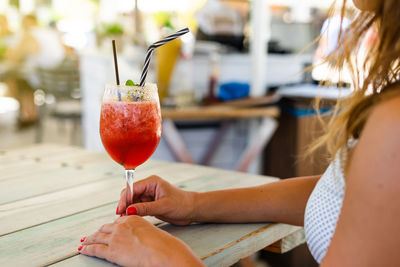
(131, 83)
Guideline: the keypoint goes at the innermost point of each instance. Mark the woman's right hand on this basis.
(156, 197)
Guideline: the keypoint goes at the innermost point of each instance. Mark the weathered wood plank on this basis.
(39, 165)
(207, 240)
(47, 243)
(288, 242)
(55, 180)
(82, 261)
(44, 208)
(249, 244)
(42, 150)
(33, 149)
(65, 177)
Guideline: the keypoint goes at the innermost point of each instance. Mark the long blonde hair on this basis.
(377, 80)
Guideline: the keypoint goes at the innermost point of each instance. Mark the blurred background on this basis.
(235, 92)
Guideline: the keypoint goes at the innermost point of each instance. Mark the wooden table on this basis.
(52, 195)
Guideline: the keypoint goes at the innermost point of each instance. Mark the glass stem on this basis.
(129, 175)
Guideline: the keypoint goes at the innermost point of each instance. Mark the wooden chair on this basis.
(61, 84)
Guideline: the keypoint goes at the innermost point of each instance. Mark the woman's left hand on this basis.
(133, 241)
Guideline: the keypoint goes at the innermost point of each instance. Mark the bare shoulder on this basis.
(387, 111)
(378, 149)
(383, 124)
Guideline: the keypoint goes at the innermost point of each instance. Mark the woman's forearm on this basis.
(283, 201)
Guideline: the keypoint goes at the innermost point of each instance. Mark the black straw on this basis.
(116, 67)
(115, 62)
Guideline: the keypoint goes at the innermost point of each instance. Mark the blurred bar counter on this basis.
(284, 156)
(209, 113)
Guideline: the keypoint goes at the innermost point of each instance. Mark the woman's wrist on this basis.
(185, 256)
(176, 253)
(193, 207)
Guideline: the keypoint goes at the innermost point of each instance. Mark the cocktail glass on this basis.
(130, 127)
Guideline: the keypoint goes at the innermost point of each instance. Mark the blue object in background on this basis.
(233, 90)
(296, 112)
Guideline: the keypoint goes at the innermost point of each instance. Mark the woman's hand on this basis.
(156, 197)
(133, 241)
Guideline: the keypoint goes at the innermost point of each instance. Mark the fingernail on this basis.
(83, 239)
(116, 212)
(80, 248)
(120, 215)
(131, 211)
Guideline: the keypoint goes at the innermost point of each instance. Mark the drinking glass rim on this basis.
(129, 93)
(122, 87)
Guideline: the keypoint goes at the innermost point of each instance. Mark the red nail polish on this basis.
(83, 239)
(120, 215)
(80, 248)
(131, 211)
(116, 212)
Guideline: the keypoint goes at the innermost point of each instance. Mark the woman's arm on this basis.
(282, 201)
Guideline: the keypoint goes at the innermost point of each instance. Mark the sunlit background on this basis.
(56, 56)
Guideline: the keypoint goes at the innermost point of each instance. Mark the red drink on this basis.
(130, 131)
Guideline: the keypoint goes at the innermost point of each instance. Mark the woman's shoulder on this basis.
(380, 136)
(381, 132)
(387, 112)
